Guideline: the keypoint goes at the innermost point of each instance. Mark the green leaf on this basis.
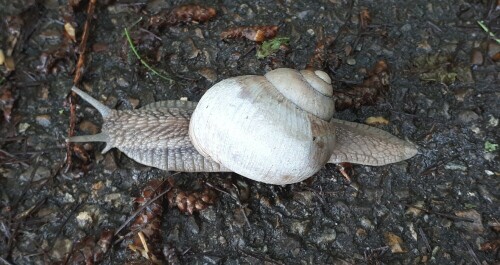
(490, 147)
(271, 46)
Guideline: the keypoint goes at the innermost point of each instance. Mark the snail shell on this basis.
(273, 128)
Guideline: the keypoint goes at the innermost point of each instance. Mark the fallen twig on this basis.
(83, 43)
(424, 238)
(472, 253)
(76, 80)
(442, 214)
(3, 261)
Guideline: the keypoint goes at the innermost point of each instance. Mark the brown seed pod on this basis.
(190, 202)
(253, 33)
(147, 239)
(182, 14)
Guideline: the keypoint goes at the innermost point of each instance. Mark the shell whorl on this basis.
(248, 125)
(310, 90)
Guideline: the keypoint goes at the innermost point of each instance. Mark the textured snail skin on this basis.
(248, 125)
(155, 135)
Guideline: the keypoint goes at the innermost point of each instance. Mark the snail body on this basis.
(277, 129)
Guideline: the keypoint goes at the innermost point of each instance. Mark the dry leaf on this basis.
(365, 18)
(474, 227)
(376, 121)
(395, 242)
(492, 245)
(9, 63)
(416, 210)
(2, 57)
(70, 31)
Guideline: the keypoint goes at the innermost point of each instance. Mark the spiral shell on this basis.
(273, 128)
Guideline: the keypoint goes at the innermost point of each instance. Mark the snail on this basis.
(277, 129)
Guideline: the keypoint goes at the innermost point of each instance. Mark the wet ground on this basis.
(440, 207)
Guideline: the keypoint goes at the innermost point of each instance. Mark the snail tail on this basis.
(362, 144)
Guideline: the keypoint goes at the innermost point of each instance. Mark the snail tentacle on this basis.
(100, 137)
(105, 111)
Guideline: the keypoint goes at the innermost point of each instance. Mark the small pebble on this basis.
(360, 232)
(43, 120)
(192, 226)
(209, 74)
(99, 47)
(98, 186)
(303, 14)
(114, 198)
(494, 51)
(60, 248)
(415, 211)
(68, 198)
(84, 219)
(222, 241)
(413, 233)
(122, 82)
(88, 127)
(109, 163)
(406, 27)
(492, 122)
(134, 102)
(460, 94)
(366, 223)
(351, 61)
(208, 215)
(304, 197)
(467, 116)
(456, 166)
(40, 173)
(199, 33)
(476, 227)
(476, 57)
(300, 227)
(44, 93)
(9, 63)
(327, 235)
(22, 127)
